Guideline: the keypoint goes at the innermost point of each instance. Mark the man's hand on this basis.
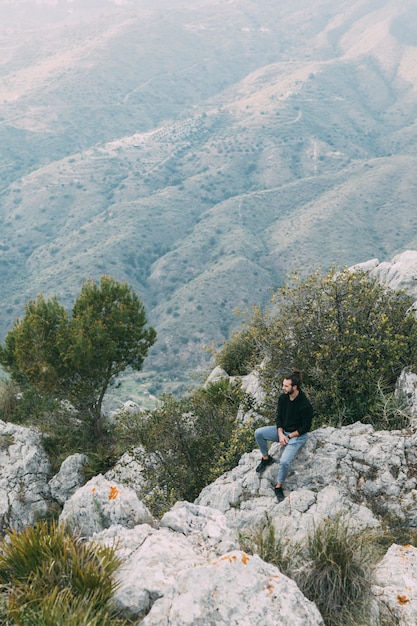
(283, 439)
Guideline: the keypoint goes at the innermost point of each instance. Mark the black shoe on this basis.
(279, 494)
(264, 464)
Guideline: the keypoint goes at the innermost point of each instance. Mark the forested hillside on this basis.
(200, 151)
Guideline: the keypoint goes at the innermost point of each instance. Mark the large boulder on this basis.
(24, 473)
(396, 583)
(400, 273)
(69, 478)
(190, 572)
(100, 504)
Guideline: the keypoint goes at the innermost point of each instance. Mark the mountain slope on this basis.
(201, 153)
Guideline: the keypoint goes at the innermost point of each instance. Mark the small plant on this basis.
(49, 577)
(6, 440)
(237, 355)
(390, 410)
(333, 567)
(240, 441)
(8, 398)
(271, 547)
(338, 572)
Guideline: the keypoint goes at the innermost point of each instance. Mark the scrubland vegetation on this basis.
(350, 336)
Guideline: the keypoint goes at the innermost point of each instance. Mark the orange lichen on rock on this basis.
(273, 582)
(114, 492)
(402, 599)
(232, 558)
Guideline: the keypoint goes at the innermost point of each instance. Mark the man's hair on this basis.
(295, 378)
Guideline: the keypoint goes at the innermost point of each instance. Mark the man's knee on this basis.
(258, 434)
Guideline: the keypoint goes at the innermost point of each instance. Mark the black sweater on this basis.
(294, 414)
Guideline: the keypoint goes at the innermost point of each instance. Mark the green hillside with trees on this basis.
(201, 153)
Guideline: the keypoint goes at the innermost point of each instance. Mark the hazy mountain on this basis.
(201, 151)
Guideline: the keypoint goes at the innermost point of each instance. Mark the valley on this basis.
(201, 151)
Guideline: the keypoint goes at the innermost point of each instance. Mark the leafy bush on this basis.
(345, 332)
(8, 398)
(183, 438)
(49, 577)
(238, 355)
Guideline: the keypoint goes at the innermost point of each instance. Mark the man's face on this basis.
(287, 387)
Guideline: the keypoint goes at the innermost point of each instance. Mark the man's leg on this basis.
(287, 455)
(262, 436)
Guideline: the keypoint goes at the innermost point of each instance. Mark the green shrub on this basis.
(390, 409)
(50, 577)
(272, 547)
(8, 398)
(183, 439)
(240, 441)
(345, 332)
(238, 355)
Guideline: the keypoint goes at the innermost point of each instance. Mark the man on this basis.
(294, 416)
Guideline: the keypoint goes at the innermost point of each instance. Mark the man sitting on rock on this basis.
(294, 416)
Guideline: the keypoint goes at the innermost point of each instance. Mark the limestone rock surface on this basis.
(24, 474)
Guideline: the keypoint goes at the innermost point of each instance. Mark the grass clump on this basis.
(49, 577)
(272, 546)
(333, 567)
(338, 572)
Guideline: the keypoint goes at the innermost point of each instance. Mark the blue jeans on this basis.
(288, 452)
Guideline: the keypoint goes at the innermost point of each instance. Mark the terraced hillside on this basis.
(201, 151)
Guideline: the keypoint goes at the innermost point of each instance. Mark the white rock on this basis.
(69, 478)
(24, 474)
(215, 375)
(400, 273)
(128, 470)
(100, 503)
(406, 390)
(396, 583)
(234, 589)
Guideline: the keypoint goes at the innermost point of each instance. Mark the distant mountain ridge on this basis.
(201, 152)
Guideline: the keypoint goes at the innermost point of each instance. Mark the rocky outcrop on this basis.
(356, 470)
(24, 474)
(190, 572)
(100, 504)
(400, 273)
(69, 478)
(188, 569)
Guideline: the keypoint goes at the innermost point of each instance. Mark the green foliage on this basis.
(272, 547)
(338, 572)
(237, 356)
(345, 332)
(8, 398)
(390, 409)
(106, 335)
(49, 577)
(78, 357)
(31, 353)
(240, 441)
(183, 439)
